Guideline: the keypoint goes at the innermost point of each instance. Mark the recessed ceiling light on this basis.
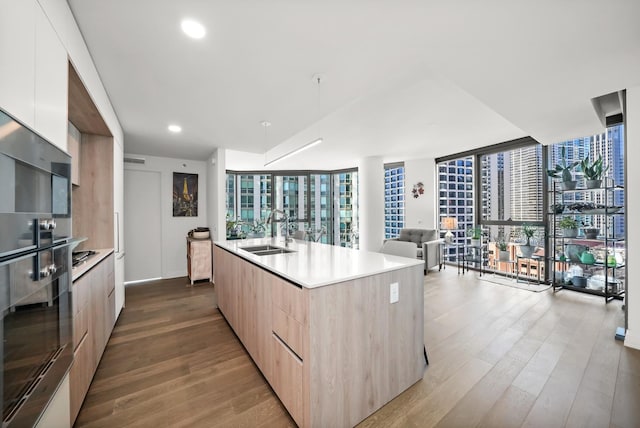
(193, 29)
(174, 128)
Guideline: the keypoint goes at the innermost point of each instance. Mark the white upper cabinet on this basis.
(51, 83)
(33, 70)
(17, 65)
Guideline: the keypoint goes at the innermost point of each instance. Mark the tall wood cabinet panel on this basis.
(93, 200)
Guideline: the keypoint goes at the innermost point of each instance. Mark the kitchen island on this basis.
(336, 332)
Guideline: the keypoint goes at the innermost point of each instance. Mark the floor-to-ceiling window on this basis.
(291, 197)
(510, 189)
(511, 196)
(320, 227)
(393, 199)
(324, 204)
(455, 198)
(248, 201)
(231, 196)
(345, 194)
(496, 191)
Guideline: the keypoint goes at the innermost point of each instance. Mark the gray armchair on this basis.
(427, 245)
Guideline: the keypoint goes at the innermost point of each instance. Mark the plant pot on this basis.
(568, 185)
(475, 242)
(593, 184)
(573, 251)
(527, 250)
(579, 281)
(503, 256)
(255, 235)
(570, 233)
(590, 232)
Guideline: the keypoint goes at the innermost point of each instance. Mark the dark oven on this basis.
(35, 272)
(36, 331)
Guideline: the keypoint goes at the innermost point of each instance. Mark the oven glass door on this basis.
(25, 195)
(36, 332)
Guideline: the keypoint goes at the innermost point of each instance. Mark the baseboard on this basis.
(174, 274)
(632, 340)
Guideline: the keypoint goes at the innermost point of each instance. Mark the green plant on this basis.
(258, 226)
(593, 171)
(568, 223)
(231, 224)
(563, 170)
(475, 232)
(501, 243)
(528, 231)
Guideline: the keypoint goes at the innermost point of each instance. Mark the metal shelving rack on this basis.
(614, 289)
(476, 255)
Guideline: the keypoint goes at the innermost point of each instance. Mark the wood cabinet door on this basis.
(286, 379)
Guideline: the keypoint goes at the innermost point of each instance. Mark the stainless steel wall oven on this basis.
(35, 271)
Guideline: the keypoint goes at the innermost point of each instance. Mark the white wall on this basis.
(420, 212)
(216, 193)
(632, 145)
(173, 229)
(371, 208)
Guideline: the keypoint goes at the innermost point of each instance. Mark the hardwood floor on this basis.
(499, 357)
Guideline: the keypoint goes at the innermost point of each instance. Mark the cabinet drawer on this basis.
(80, 326)
(288, 329)
(287, 379)
(80, 376)
(289, 298)
(81, 294)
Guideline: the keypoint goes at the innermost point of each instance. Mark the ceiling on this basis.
(400, 79)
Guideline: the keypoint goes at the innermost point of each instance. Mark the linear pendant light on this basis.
(296, 151)
(317, 79)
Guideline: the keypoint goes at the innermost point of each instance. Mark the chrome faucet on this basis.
(285, 217)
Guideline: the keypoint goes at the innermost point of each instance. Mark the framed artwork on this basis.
(185, 195)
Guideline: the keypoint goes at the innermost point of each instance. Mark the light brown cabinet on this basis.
(333, 354)
(198, 259)
(93, 320)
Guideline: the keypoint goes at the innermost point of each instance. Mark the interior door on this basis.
(142, 227)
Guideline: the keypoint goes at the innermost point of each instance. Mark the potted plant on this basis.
(257, 229)
(527, 249)
(593, 172)
(564, 170)
(232, 228)
(503, 252)
(569, 227)
(475, 233)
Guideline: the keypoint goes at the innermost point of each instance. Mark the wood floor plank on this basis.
(510, 410)
(499, 357)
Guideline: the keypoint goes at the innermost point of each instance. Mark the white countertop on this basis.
(314, 265)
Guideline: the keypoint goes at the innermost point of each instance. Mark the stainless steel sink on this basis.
(266, 250)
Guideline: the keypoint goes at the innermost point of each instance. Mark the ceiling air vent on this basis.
(134, 160)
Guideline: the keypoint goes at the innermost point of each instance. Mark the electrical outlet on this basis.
(394, 293)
